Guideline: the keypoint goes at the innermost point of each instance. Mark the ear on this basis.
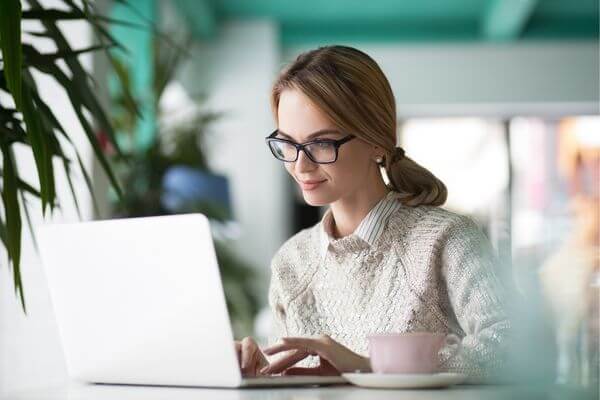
(376, 151)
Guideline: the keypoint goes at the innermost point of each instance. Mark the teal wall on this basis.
(317, 21)
(139, 62)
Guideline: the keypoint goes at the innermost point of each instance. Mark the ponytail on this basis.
(415, 184)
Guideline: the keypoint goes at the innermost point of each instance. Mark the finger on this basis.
(276, 349)
(262, 362)
(284, 362)
(238, 352)
(244, 351)
(310, 345)
(248, 350)
(255, 360)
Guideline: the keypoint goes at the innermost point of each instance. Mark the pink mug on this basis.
(409, 353)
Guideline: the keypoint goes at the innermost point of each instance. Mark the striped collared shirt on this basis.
(370, 228)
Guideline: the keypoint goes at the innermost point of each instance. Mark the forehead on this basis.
(299, 117)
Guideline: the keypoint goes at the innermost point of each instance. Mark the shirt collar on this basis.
(370, 228)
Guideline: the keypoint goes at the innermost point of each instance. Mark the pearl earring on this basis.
(384, 174)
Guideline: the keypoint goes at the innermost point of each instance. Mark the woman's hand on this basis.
(250, 358)
(334, 358)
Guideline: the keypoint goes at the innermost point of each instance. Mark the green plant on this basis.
(31, 122)
(142, 172)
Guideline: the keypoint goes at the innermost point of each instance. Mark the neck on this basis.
(349, 211)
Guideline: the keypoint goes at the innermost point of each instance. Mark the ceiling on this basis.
(312, 21)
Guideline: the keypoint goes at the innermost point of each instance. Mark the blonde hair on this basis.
(350, 88)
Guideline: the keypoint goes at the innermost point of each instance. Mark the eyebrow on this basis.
(313, 135)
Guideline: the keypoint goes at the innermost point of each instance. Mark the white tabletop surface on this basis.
(460, 392)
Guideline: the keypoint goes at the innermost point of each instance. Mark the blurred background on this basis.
(498, 98)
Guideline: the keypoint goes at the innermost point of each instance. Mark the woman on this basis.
(384, 258)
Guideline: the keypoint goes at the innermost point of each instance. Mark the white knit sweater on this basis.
(428, 270)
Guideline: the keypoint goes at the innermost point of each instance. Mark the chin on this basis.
(317, 199)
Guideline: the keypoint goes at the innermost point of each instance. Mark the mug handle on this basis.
(453, 343)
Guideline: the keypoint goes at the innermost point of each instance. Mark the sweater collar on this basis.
(369, 229)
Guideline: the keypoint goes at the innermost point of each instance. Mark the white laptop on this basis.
(140, 301)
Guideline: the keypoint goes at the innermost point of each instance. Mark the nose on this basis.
(304, 164)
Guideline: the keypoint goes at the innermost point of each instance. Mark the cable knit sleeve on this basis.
(278, 311)
(478, 300)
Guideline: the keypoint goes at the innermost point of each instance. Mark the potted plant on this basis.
(172, 176)
(28, 120)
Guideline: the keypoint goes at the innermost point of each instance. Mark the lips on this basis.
(310, 184)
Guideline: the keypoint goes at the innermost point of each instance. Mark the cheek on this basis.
(351, 166)
(289, 167)
(344, 174)
(347, 176)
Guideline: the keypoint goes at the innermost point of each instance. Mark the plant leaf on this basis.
(50, 119)
(80, 84)
(13, 217)
(10, 41)
(38, 139)
(3, 235)
(79, 103)
(28, 219)
(67, 169)
(41, 58)
(121, 73)
(52, 14)
(88, 183)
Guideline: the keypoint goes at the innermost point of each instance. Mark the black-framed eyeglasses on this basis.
(320, 151)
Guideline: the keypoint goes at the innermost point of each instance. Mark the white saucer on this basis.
(405, 381)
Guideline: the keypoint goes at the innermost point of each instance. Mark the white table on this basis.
(346, 392)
